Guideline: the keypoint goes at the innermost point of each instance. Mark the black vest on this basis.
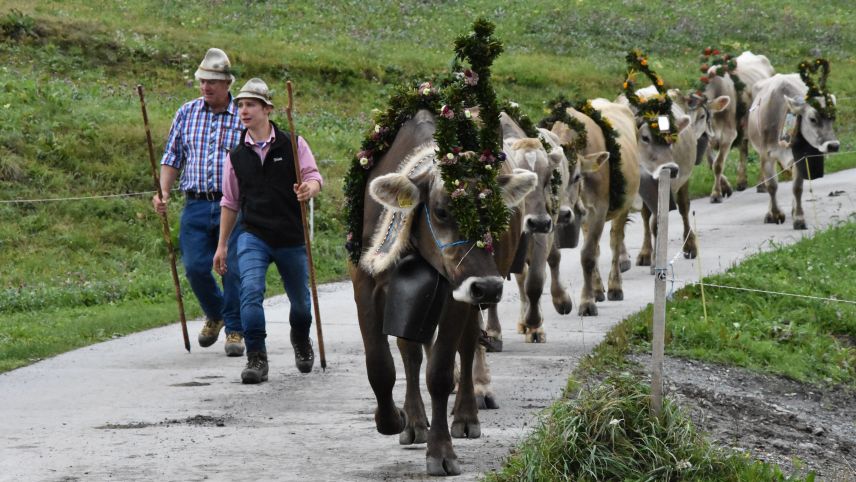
(269, 206)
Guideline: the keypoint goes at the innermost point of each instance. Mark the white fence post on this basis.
(661, 258)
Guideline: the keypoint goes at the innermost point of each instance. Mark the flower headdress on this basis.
(817, 92)
(722, 63)
(656, 110)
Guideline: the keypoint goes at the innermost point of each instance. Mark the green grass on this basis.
(72, 125)
(608, 433)
(813, 341)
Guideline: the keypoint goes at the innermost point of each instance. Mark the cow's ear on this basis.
(556, 156)
(795, 105)
(516, 186)
(682, 122)
(593, 162)
(720, 103)
(395, 191)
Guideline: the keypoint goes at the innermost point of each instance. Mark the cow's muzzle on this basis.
(479, 290)
(539, 224)
(566, 215)
(830, 146)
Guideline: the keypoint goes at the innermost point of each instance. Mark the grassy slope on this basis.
(72, 124)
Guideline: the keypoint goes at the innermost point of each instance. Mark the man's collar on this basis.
(231, 107)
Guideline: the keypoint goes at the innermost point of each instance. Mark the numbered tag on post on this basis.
(663, 123)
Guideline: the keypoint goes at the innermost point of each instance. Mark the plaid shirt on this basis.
(199, 141)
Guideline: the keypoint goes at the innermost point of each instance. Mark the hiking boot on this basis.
(304, 357)
(234, 344)
(210, 332)
(257, 368)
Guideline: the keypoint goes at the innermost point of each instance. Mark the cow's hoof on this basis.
(761, 188)
(390, 425)
(799, 224)
(466, 430)
(716, 198)
(643, 260)
(624, 265)
(777, 218)
(741, 185)
(563, 305)
(491, 344)
(615, 295)
(599, 296)
(486, 402)
(727, 191)
(443, 466)
(521, 328)
(587, 309)
(413, 435)
(536, 337)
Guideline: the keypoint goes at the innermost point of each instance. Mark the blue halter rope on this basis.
(440, 246)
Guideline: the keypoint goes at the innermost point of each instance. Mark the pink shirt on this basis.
(231, 192)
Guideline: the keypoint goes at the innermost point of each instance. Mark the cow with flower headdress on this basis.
(791, 124)
(431, 237)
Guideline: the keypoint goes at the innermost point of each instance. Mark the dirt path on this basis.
(140, 408)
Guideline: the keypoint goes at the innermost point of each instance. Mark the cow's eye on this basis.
(812, 120)
(441, 214)
(646, 139)
(576, 178)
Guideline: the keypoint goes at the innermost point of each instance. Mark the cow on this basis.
(774, 98)
(728, 124)
(594, 186)
(406, 183)
(685, 154)
(528, 153)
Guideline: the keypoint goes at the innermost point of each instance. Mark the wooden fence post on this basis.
(661, 259)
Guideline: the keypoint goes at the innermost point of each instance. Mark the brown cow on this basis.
(405, 183)
(775, 98)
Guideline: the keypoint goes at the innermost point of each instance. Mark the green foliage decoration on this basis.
(649, 108)
(559, 113)
(818, 91)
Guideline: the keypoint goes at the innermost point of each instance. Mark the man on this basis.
(259, 181)
(202, 133)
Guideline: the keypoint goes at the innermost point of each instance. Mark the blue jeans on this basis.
(255, 256)
(200, 228)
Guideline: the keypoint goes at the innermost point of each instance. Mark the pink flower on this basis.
(458, 193)
(425, 88)
(487, 157)
(447, 112)
(471, 78)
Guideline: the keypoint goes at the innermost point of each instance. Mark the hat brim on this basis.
(247, 95)
(209, 75)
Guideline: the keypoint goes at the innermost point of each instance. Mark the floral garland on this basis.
(558, 112)
(815, 91)
(724, 64)
(403, 105)
(650, 108)
(528, 127)
(451, 100)
(467, 155)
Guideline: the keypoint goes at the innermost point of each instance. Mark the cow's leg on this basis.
(493, 330)
(440, 456)
(743, 148)
(797, 211)
(588, 260)
(690, 248)
(369, 298)
(534, 287)
(481, 377)
(768, 170)
(524, 300)
(465, 423)
(416, 430)
(721, 186)
(616, 240)
(646, 251)
(597, 279)
(561, 298)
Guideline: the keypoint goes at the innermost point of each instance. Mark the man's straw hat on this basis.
(215, 66)
(255, 88)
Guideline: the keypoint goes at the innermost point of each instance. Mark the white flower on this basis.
(615, 421)
(456, 182)
(482, 195)
(377, 127)
(514, 104)
(450, 156)
(468, 114)
(364, 161)
(684, 464)
(488, 167)
(480, 244)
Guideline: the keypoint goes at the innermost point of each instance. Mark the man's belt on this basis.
(199, 196)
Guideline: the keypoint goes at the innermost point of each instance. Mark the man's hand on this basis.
(220, 260)
(159, 204)
(307, 190)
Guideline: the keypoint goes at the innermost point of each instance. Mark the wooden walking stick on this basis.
(306, 239)
(166, 234)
